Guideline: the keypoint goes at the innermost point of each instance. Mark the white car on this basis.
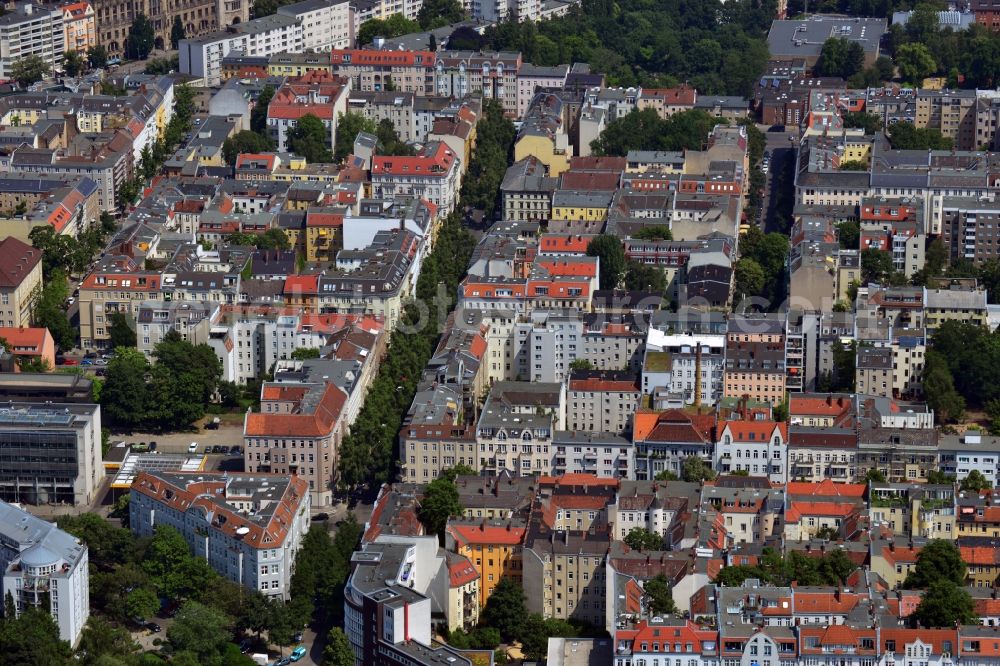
(192, 447)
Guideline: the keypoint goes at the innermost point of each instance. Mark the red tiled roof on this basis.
(487, 534)
(319, 422)
(753, 431)
(17, 259)
(565, 243)
(592, 384)
(383, 58)
(24, 340)
(826, 488)
(434, 161)
(461, 572)
(301, 284)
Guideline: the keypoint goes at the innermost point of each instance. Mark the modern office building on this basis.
(50, 453)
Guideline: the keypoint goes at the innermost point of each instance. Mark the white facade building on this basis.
(202, 56)
(41, 563)
(326, 24)
(32, 30)
(249, 527)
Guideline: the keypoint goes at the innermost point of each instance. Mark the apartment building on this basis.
(601, 401)
(516, 425)
(961, 454)
(605, 454)
(758, 448)
(691, 366)
(114, 19)
(494, 547)
(79, 26)
(52, 453)
(969, 228)
(316, 93)
(202, 56)
(396, 107)
(388, 605)
(261, 518)
(298, 431)
(490, 74)
(663, 440)
(952, 112)
(32, 345)
(20, 281)
(544, 134)
(532, 78)
(495, 11)
(375, 70)
(527, 191)
(326, 24)
(433, 174)
(31, 30)
(46, 568)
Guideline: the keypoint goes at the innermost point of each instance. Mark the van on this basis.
(192, 447)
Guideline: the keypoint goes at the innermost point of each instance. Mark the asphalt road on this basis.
(781, 147)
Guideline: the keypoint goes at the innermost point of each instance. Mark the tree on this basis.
(505, 610)
(876, 265)
(661, 600)
(199, 629)
(694, 469)
(945, 604)
(310, 138)
(869, 122)
(338, 650)
(828, 532)
(646, 130)
(73, 63)
(641, 277)
(666, 475)
(581, 364)
(733, 576)
(141, 603)
(749, 279)
(975, 482)
(245, 141)
(437, 13)
(937, 560)
(30, 69)
(905, 136)
(611, 259)
(258, 115)
(465, 38)
(874, 475)
(141, 37)
(394, 26)
(639, 538)
(840, 57)
(654, 232)
(33, 638)
(915, 63)
(388, 140)
(836, 567)
(50, 313)
(849, 234)
(939, 388)
(97, 56)
(304, 353)
(120, 331)
(125, 396)
(349, 125)
(432, 43)
(854, 165)
(177, 32)
(440, 502)
(936, 476)
(100, 638)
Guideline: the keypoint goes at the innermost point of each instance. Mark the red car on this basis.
(71, 361)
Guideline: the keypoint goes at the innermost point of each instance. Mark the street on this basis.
(781, 147)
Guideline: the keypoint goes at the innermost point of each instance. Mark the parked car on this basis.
(70, 361)
(321, 516)
(153, 627)
(297, 638)
(284, 661)
(100, 361)
(100, 372)
(298, 653)
(235, 451)
(192, 447)
(152, 446)
(208, 449)
(90, 355)
(211, 425)
(245, 646)
(86, 361)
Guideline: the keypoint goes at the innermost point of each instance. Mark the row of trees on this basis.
(65, 254)
(718, 47)
(170, 394)
(367, 454)
(494, 136)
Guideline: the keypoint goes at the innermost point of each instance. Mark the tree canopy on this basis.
(639, 538)
(646, 130)
(394, 26)
(611, 259)
(505, 609)
(141, 37)
(939, 559)
(29, 69)
(945, 604)
(661, 600)
(840, 57)
(245, 141)
(831, 569)
(310, 138)
(438, 13)
(905, 136)
(50, 311)
(439, 503)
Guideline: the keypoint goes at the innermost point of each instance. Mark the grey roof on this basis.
(40, 542)
(805, 38)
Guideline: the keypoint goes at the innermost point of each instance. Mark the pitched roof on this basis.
(17, 259)
(487, 534)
